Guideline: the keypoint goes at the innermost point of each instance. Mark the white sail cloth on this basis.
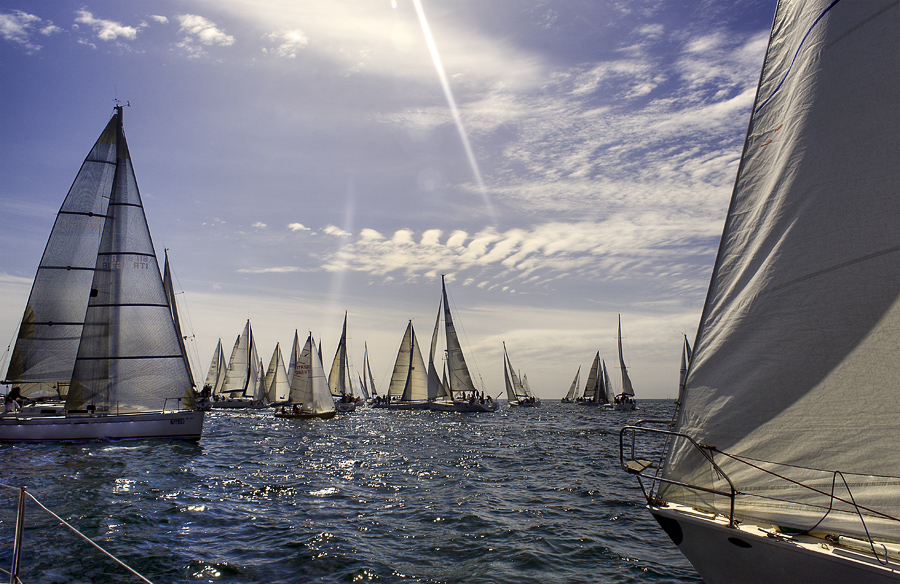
(796, 358)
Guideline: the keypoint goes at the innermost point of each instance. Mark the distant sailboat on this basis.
(573, 389)
(464, 396)
(99, 333)
(366, 379)
(278, 387)
(517, 392)
(596, 389)
(625, 400)
(244, 385)
(339, 378)
(409, 382)
(783, 461)
(309, 396)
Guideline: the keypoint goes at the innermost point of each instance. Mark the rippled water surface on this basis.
(523, 495)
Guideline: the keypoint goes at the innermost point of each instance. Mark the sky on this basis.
(560, 162)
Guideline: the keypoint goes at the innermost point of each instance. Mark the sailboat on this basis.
(570, 395)
(309, 396)
(517, 392)
(783, 459)
(625, 400)
(98, 332)
(463, 396)
(366, 379)
(215, 376)
(278, 386)
(409, 381)
(339, 378)
(596, 388)
(245, 381)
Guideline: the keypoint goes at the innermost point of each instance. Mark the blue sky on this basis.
(561, 162)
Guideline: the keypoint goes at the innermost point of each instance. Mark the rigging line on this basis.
(799, 484)
(86, 538)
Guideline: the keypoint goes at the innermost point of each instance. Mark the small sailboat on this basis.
(278, 386)
(517, 391)
(625, 400)
(366, 379)
(245, 381)
(339, 377)
(409, 382)
(596, 389)
(783, 460)
(573, 389)
(310, 396)
(99, 334)
(215, 376)
(460, 389)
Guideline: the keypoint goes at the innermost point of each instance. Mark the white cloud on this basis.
(259, 225)
(298, 227)
(159, 19)
(336, 231)
(287, 44)
(17, 27)
(201, 32)
(106, 30)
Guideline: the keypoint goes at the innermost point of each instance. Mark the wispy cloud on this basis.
(18, 27)
(287, 44)
(273, 270)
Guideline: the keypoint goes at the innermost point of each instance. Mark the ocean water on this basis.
(523, 495)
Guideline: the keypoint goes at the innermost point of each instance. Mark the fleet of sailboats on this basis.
(783, 460)
(100, 336)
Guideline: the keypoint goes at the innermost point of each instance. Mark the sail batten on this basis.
(794, 363)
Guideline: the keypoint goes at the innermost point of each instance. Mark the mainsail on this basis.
(277, 384)
(339, 378)
(458, 376)
(795, 362)
(627, 389)
(43, 357)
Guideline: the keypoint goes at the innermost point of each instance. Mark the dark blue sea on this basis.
(523, 495)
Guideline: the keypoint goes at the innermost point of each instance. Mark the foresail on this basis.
(129, 357)
(795, 362)
(169, 287)
(44, 353)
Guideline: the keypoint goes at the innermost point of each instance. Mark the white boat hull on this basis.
(463, 406)
(402, 405)
(729, 555)
(181, 425)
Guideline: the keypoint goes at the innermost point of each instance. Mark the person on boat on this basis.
(296, 409)
(14, 400)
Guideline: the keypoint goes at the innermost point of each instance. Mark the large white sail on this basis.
(795, 363)
(320, 395)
